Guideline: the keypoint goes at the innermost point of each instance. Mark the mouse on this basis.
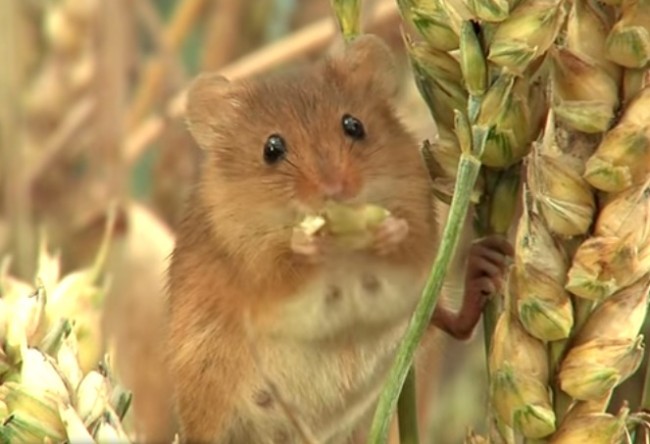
(277, 337)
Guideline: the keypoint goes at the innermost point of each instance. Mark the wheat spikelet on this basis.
(46, 328)
(559, 91)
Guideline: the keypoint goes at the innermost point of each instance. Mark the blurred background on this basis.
(91, 104)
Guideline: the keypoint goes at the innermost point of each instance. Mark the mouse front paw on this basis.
(307, 247)
(486, 267)
(389, 235)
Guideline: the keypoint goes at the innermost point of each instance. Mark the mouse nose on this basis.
(332, 189)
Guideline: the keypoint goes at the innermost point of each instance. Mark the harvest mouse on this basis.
(275, 337)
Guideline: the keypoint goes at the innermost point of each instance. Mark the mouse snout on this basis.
(332, 189)
(320, 186)
(339, 185)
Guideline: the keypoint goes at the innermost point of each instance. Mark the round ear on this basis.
(368, 61)
(207, 98)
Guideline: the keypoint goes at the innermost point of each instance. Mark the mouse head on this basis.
(281, 145)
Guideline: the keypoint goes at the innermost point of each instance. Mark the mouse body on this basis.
(274, 337)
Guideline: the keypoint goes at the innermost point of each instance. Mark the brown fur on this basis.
(233, 257)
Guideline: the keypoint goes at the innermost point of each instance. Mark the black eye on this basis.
(353, 127)
(274, 149)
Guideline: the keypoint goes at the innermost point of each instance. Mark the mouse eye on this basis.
(353, 127)
(274, 149)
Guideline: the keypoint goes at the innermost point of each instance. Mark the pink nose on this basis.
(333, 189)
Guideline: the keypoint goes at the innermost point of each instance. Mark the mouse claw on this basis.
(487, 267)
(308, 247)
(390, 234)
(488, 258)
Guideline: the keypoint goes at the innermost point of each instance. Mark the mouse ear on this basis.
(206, 99)
(368, 60)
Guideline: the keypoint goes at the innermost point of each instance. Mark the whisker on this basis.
(291, 163)
(341, 147)
(373, 151)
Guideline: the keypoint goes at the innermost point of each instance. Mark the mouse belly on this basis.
(329, 387)
(351, 299)
(330, 351)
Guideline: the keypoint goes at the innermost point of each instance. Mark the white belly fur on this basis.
(314, 314)
(330, 355)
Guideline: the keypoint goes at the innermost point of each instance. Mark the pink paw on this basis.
(390, 234)
(486, 266)
(310, 248)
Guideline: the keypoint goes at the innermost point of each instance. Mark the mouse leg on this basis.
(486, 266)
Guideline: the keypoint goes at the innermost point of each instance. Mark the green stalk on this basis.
(468, 170)
(561, 401)
(582, 309)
(645, 397)
(497, 431)
(407, 411)
(482, 227)
(495, 215)
(490, 316)
(348, 17)
(641, 433)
